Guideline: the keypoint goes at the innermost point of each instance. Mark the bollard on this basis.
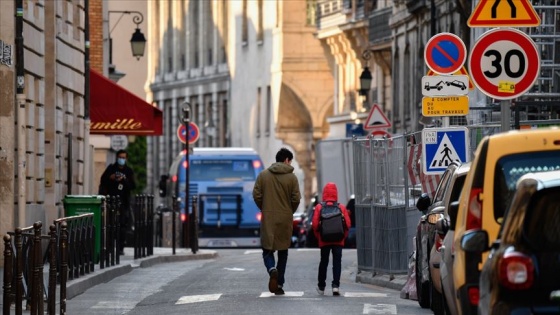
(194, 226)
(51, 303)
(63, 265)
(8, 274)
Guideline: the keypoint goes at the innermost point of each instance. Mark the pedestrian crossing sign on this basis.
(442, 146)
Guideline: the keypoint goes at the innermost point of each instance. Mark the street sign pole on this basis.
(186, 122)
(506, 114)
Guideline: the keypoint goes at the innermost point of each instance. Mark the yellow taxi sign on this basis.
(445, 106)
(496, 13)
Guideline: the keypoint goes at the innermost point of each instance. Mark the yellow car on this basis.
(500, 160)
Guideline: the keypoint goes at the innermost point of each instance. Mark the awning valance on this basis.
(116, 111)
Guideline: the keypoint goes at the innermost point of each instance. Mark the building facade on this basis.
(252, 73)
(43, 143)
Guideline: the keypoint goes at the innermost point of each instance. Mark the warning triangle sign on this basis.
(461, 71)
(497, 13)
(445, 154)
(376, 119)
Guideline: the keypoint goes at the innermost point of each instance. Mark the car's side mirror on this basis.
(442, 226)
(452, 212)
(475, 241)
(423, 202)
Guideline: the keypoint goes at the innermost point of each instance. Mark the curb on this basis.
(395, 282)
(78, 286)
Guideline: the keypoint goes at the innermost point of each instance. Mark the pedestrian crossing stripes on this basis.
(198, 298)
(213, 297)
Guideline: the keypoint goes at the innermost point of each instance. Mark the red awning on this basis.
(116, 111)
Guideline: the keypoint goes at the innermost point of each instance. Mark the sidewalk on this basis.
(127, 264)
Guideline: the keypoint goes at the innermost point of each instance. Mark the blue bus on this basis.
(223, 181)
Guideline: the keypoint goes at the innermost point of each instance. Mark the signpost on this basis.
(376, 119)
(461, 71)
(445, 53)
(504, 63)
(194, 133)
(456, 105)
(498, 13)
(442, 146)
(445, 85)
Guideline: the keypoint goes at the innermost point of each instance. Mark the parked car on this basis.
(441, 258)
(425, 233)
(298, 237)
(521, 274)
(310, 239)
(500, 160)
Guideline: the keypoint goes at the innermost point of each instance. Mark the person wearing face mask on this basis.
(118, 180)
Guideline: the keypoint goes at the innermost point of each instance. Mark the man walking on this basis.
(118, 180)
(277, 195)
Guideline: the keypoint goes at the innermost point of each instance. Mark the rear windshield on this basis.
(510, 168)
(543, 219)
(222, 170)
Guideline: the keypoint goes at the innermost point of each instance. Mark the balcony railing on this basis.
(379, 30)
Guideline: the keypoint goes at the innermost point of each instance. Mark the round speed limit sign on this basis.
(504, 63)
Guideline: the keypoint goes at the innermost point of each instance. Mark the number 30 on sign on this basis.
(504, 63)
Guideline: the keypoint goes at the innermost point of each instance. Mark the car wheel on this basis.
(437, 302)
(422, 288)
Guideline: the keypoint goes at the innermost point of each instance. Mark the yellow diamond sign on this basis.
(445, 106)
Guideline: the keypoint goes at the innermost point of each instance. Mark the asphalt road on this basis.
(236, 283)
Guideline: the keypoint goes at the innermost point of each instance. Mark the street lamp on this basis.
(365, 77)
(137, 42)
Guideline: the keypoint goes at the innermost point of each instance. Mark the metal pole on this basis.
(186, 121)
(506, 114)
(88, 188)
(21, 122)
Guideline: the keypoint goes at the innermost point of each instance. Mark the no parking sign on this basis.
(445, 53)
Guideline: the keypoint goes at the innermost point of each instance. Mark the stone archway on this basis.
(295, 128)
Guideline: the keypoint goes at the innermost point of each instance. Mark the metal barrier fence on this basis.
(70, 253)
(388, 179)
(24, 264)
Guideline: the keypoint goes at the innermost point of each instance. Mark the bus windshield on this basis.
(222, 170)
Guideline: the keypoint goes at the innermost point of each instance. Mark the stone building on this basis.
(252, 72)
(44, 151)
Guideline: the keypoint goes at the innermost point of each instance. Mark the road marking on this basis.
(287, 294)
(307, 249)
(114, 305)
(253, 251)
(198, 298)
(364, 294)
(380, 309)
(235, 269)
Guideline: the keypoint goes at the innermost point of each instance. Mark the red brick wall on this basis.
(96, 35)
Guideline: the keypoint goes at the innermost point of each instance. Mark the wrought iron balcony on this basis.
(415, 5)
(379, 30)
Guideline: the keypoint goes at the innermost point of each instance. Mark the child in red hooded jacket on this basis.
(330, 196)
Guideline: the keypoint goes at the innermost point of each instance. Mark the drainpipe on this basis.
(21, 122)
(88, 171)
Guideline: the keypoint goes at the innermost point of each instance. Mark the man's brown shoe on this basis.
(273, 281)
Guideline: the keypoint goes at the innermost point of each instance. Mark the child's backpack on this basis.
(331, 223)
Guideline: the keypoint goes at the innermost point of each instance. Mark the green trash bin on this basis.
(80, 204)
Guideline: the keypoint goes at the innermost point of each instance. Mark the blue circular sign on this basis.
(445, 53)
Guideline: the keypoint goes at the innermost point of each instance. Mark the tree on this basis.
(137, 161)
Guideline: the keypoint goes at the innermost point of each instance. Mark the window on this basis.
(195, 34)
(311, 12)
(510, 168)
